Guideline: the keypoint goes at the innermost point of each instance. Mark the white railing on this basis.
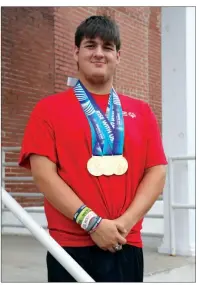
(172, 204)
(48, 242)
(38, 232)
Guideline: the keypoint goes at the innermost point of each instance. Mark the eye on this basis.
(90, 46)
(108, 47)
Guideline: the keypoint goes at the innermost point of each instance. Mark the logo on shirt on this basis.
(129, 114)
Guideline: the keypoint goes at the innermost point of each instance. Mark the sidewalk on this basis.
(23, 260)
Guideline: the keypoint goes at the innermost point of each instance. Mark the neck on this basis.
(99, 89)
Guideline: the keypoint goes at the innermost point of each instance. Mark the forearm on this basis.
(54, 188)
(148, 191)
(59, 194)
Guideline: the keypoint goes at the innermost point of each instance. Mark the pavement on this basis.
(24, 260)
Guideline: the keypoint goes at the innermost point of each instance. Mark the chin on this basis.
(97, 77)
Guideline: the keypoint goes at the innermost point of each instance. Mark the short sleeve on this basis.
(155, 152)
(38, 137)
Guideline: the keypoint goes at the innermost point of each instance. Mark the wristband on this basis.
(95, 226)
(78, 212)
(82, 215)
(86, 221)
(92, 223)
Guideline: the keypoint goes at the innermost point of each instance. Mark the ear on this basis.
(118, 56)
(76, 52)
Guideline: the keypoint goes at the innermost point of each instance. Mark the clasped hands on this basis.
(110, 235)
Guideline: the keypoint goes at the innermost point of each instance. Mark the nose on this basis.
(98, 53)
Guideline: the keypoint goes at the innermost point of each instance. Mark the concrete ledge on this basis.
(182, 274)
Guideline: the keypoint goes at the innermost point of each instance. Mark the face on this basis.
(97, 60)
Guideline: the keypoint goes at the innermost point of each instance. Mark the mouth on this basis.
(98, 63)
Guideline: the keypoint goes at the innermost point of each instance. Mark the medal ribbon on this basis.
(107, 129)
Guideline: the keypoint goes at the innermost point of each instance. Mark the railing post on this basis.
(2, 182)
(171, 210)
(176, 225)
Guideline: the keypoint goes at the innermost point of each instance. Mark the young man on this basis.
(98, 159)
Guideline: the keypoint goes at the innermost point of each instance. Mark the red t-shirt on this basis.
(59, 130)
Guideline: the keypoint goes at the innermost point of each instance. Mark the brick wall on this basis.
(27, 76)
(37, 58)
(139, 73)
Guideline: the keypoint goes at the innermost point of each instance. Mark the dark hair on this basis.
(98, 26)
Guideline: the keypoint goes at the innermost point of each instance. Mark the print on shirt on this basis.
(129, 114)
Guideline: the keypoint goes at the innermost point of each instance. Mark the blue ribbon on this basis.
(107, 129)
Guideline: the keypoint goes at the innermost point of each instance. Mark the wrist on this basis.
(87, 219)
(94, 228)
(128, 221)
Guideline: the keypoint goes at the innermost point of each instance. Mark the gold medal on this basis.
(94, 165)
(113, 127)
(121, 165)
(108, 165)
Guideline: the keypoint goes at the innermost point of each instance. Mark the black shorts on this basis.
(103, 266)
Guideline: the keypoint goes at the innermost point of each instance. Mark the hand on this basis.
(106, 236)
(124, 224)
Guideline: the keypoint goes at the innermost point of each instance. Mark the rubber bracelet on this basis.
(86, 220)
(92, 223)
(82, 215)
(78, 212)
(95, 226)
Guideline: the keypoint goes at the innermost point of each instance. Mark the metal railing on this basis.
(37, 231)
(48, 242)
(15, 178)
(172, 205)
